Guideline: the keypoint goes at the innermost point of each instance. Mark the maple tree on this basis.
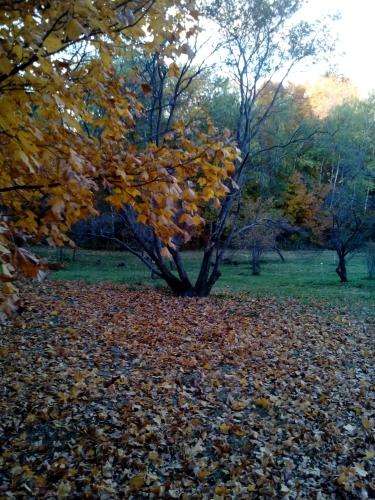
(301, 204)
(58, 87)
(251, 34)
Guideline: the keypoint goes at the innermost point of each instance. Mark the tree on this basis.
(301, 205)
(330, 91)
(345, 154)
(170, 92)
(343, 226)
(171, 86)
(56, 70)
(262, 45)
(253, 37)
(371, 260)
(260, 228)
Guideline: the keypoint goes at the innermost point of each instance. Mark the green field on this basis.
(308, 275)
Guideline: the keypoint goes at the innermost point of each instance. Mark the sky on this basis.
(356, 32)
(354, 56)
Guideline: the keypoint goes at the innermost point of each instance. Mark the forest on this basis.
(187, 253)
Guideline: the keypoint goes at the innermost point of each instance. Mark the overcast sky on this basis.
(356, 31)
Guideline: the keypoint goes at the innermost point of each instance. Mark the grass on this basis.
(307, 275)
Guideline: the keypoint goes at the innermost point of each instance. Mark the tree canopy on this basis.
(57, 86)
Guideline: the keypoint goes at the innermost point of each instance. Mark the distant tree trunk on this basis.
(341, 267)
(371, 260)
(60, 254)
(278, 251)
(255, 260)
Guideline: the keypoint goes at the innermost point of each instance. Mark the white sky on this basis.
(354, 56)
(356, 32)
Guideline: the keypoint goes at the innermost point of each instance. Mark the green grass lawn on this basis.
(308, 275)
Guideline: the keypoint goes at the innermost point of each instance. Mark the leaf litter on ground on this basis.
(109, 392)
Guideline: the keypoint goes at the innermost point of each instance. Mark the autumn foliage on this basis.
(65, 123)
(138, 394)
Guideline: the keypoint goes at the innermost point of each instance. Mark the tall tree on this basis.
(57, 86)
(261, 43)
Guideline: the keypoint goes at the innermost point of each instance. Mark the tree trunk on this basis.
(180, 285)
(255, 260)
(255, 266)
(208, 275)
(278, 251)
(341, 268)
(184, 288)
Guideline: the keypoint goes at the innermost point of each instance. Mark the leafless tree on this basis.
(344, 226)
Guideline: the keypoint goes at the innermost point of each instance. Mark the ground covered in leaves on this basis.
(114, 393)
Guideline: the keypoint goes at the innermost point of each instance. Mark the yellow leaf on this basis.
(39, 481)
(239, 432)
(185, 218)
(221, 490)
(137, 482)
(367, 423)
(74, 29)
(196, 220)
(28, 472)
(5, 66)
(153, 455)
(239, 405)
(263, 402)
(142, 219)
(188, 194)
(17, 50)
(173, 70)
(207, 194)
(342, 479)
(31, 418)
(21, 156)
(53, 43)
(217, 203)
(64, 397)
(224, 428)
(64, 489)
